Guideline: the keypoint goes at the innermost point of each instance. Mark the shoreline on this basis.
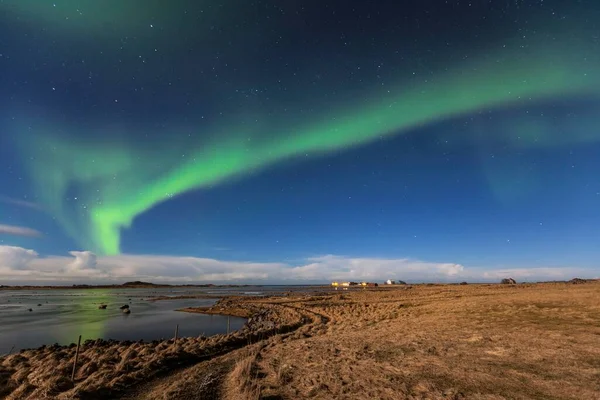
(239, 313)
(185, 297)
(107, 367)
(204, 310)
(55, 342)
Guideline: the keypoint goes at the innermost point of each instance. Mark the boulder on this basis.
(124, 306)
(508, 281)
(126, 310)
(102, 307)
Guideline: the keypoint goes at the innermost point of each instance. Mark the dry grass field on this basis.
(526, 341)
(445, 342)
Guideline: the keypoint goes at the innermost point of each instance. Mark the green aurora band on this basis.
(119, 183)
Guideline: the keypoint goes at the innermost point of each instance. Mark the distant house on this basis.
(335, 284)
(390, 282)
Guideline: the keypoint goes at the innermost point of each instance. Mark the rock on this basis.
(30, 309)
(463, 283)
(508, 281)
(102, 307)
(39, 305)
(126, 310)
(124, 306)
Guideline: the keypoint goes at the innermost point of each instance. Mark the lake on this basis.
(63, 315)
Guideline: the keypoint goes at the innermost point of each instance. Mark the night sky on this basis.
(299, 141)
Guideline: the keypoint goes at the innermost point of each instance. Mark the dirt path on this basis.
(207, 380)
(199, 382)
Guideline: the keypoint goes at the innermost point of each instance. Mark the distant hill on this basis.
(140, 283)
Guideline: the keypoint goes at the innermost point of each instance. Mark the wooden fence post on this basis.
(176, 331)
(76, 358)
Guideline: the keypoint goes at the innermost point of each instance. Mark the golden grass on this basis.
(531, 341)
(538, 341)
(243, 380)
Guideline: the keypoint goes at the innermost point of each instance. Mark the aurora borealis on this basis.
(111, 118)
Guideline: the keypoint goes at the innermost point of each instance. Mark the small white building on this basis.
(390, 282)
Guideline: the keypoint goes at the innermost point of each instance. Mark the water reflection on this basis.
(61, 316)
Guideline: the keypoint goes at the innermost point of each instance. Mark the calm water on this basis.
(66, 314)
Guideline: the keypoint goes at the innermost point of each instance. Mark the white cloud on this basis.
(19, 231)
(83, 260)
(15, 258)
(21, 203)
(346, 268)
(22, 265)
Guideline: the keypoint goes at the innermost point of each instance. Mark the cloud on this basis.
(20, 203)
(345, 268)
(83, 260)
(15, 258)
(26, 266)
(19, 231)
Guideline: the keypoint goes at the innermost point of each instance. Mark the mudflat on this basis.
(524, 341)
